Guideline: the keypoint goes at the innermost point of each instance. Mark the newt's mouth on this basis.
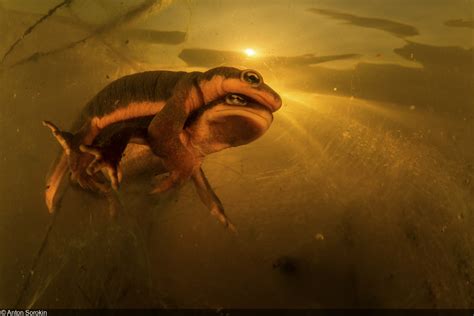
(234, 105)
(240, 106)
(231, 121)
(262, 119)
(262, 94)
(239, 122)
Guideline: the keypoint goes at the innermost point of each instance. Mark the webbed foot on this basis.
(90, 182)
(174, 179)
(102, 162)
(77, 161)
(210, 199)
(181, 168)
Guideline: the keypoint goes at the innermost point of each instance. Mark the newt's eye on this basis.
(252, 77)
(235, 99)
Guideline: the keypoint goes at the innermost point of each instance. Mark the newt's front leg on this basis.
(165, 137)
(210, 199)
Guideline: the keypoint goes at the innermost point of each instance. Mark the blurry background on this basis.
(361, 193)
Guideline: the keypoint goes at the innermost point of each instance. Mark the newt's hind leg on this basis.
(77, 160)
(103, 161)
(107, 150)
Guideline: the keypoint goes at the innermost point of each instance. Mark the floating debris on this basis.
(286, 265)
(319, 236)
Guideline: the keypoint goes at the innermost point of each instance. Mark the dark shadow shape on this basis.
(438, 57)
(286, 265)
(198, 57)
(392, 27)
(444, 83)
(460, 23)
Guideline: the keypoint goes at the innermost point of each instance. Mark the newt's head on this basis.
(230, 121)
(218, 82)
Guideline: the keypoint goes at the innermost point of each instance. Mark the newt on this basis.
(181, 116)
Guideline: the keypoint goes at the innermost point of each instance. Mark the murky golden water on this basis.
(360, 195)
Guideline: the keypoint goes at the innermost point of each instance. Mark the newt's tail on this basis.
(63, 138)
(54, 180)
(59, 168)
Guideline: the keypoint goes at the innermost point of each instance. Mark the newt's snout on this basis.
(276, 102)
(255, 80)
(267, 97)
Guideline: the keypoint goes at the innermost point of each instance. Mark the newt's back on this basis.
(150, 86)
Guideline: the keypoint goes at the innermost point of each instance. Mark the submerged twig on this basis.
(39, 293)
(36, 259)
(88, 299)
(31, 28)
(134, 14)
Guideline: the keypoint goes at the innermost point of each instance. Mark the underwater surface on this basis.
(360, 194)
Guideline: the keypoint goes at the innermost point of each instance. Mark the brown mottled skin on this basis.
(163, 110)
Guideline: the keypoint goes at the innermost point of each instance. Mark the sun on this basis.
(250, 52)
